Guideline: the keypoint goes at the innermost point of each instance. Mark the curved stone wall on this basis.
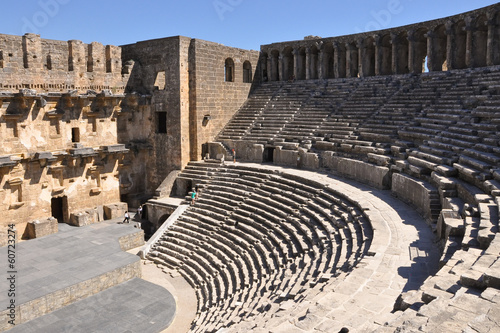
(462, 41)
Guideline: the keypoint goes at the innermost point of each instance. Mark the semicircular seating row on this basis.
(254, 238)
(441, 128)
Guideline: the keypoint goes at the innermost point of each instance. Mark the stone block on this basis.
(115, 210)
(82, 152)
(381, 160)
(117, 148)
(447, 220)
(40, 228)
(492, 276)
(84, 217)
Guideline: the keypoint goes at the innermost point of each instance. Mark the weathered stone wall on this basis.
(376, 176)
(57, 66)
(415, 192)
(214, 97)
(161, 70)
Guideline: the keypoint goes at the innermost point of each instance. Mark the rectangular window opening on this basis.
(162, 122)
(75, 134)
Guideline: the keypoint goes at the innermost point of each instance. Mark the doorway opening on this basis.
(268, 154)
(58, 206)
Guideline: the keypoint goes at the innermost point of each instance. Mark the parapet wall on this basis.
(462, 41)
(57, 66)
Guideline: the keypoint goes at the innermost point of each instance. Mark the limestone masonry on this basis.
(287, 243)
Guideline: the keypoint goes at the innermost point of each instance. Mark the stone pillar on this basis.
(270, 67)
(296, 63)
(308, 63)
(361, 58)
(411, 51)
(378, 55)
(96, 57)
(431, 51)
(469, 57)
(32, 52)
(113, 59)
(263, 67)
(336, 60)
(395, 54)
(280, 68)
(352, 67)
(490, 53)
(321, 70)
(450, 45)
(76, 58)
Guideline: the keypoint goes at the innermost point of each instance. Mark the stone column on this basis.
(336, 59)
(351, 67)
(431, 51)
(395, 54)
(270, 67)
(308, 63)
(490, 53)
(378, 55)
(361, 57)
(411, 51)
(296, 63)
(280, 68)
(450, 45)
(469, 57)
(321, 70)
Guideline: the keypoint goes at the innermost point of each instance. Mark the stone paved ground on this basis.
(73, 255)
(134, 306)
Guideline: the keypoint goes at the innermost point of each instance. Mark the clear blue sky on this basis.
(240, 23)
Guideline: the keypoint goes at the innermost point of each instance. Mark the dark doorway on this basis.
(57, 207)
(268, 154)
(162, 122)
(75, 134)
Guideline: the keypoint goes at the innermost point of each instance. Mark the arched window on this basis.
(247, 72)
(229, 70)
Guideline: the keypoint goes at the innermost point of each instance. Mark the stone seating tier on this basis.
(270, 237)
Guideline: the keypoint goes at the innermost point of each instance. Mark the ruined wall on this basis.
(221, 78)
(57, 66)
(64, 123)
(161, 70)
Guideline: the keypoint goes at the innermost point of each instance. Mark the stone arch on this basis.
(328, 61)
(287, 63)
(352, 60)
(418, 50)
(313, 62)
(301, 63)
(386, 55)
(436, 52)
(273, 71)
(479, 41)
(229, 70)
(368, 57)
(247, 72)
(400, 50)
